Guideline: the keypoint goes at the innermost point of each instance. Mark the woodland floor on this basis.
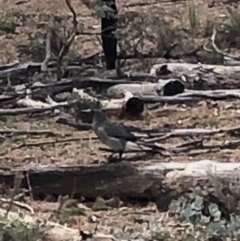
(127, 217)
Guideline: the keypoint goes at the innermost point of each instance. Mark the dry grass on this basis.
(86, 151)
(28, 22)
(20, 22)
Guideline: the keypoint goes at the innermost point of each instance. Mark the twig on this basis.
(215, 47)
(78, 126)
(46, 142)
(28, 110)
(228, 144)
(61, 200)
(198, 144)
(44, 66)
(29, 186)
(28, 132)
(181, 133)
(191, 53)
(167, 54)
(188, 146)
(17, 184)
(18, 204)
(128, 151)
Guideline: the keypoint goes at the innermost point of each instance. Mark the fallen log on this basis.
(20, 72)
(200, 76)
(167, 68)
(168, 87)
(193, 96)
(28, 110)
(127, 180)
(67, 85)
(171, 91)
(130, 104)
(231, 61)
(163, 134)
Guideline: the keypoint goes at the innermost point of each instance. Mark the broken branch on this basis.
(44, 66)
(215, 47)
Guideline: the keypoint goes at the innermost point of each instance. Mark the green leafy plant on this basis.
(18, 231)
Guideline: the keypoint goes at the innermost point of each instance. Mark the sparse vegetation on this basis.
(146, 35)
(15, 230)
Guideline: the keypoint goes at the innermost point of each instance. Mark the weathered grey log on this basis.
(189, 96)
(67, 85)
(162, 87)
(130, 104)
(161, 69)
(22, 71)
(117, 91)
(231, 61)
(28, 110)
(18, 69)
(7, 66)
(127, 180)
(200, 76)
(163, 91)
(194, 96)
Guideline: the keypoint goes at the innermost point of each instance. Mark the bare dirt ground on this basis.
(86, 151)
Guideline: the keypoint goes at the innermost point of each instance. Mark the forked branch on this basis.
(215, 47)
(64, 50)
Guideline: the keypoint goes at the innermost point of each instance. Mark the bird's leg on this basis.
(120, 155)
(112, 159)
(111, 156)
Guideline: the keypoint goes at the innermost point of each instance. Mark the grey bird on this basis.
(118, 137)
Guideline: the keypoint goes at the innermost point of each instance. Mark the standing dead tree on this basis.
(109, 26)
(59, 48)
(67, 45)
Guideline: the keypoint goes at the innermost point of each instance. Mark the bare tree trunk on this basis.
(109, 40)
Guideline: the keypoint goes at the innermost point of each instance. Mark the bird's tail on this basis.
(153, 148)
(142, 146)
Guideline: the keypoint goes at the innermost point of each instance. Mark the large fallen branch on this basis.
(31, 109)
(170, 91)
(67, 85)
(193, 96)
(125, 179)
(200, 76)
(167, 68)
(159, 135)
(28, 132)
(168, 87)
(131, 104)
